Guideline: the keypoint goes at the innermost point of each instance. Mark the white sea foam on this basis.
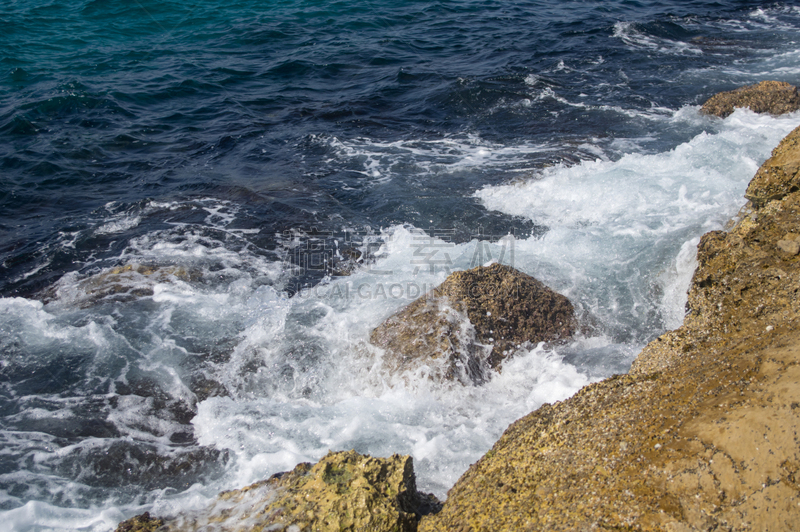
(675, 281)
(445, 427)
(770, 17)
(377, 159)
(36, 516)
(628, 33)
(784, 66)
(118, 225)
(629, 219)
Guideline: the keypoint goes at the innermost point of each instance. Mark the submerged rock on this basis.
(703, 432)
(121, 283)
(774, 97)
(473, 321)
(347, 261)
(345, 491)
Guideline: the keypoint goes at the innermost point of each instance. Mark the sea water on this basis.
(206, 209)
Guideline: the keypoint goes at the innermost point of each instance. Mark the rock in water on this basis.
(474, 320)
(775, 97)
(120, 284)
(343, 492)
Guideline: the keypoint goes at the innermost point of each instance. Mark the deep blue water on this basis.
(216, 136)
(242, 101)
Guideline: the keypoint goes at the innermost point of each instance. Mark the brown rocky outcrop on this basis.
(474, 320)
(344, 491)
(774, 97)
(703, 434)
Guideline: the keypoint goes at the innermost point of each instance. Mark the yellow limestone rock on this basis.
(345, 491)
(774, 97)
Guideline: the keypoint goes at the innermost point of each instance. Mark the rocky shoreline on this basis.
(702, 434)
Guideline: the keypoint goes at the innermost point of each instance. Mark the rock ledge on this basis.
(343, 492)
(774, 97)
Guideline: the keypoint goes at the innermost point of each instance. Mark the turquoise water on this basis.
(238, 157)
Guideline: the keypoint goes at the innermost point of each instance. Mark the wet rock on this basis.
(701, 435)
(345, 491)
(203, 387)
(774, 97)
(347, 261)
(473, 321)
(124, 463)
(779, 175)
(121, 283)
(140, 523)
(433, 333)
